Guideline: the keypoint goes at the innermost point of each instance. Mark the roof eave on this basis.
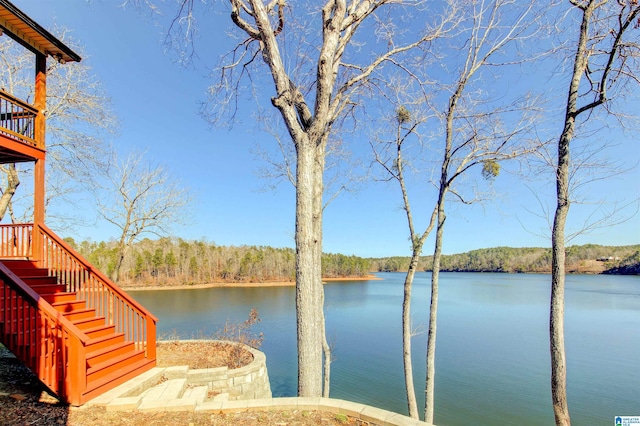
(34, 37)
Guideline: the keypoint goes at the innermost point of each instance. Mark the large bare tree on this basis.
(138, 198)
(319, 74)
(605, 66)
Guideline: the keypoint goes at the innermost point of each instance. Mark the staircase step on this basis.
(98, 386)
(103, 342)
(49, 288)
(114, 367)
(88, 323)
(67, 296)
(20, 264)
(33, 281)
(171, 389)
(99, 331)
(80, 314)
(100, 356)
(70, 306)
(30, 272)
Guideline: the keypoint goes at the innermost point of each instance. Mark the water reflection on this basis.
(492, 358)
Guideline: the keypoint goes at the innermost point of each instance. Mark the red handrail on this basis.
(47, 342)
(109, 300)
(42, 338)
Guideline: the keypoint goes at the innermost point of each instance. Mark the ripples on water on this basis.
(492, 365)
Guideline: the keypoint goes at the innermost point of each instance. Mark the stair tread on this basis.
(30, 272)
(103, 338)
(97, 328)
(98, 352)
(114, 361)
(62, 293)
(79, 322)
(39, 278)
(80, 310)
(20, 263)
(67, 302)
(138, 365)
(82, 320)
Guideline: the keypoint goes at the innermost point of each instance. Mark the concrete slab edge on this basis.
(336, 406)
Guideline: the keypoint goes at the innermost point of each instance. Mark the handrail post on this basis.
(150, 340)
(75, 381)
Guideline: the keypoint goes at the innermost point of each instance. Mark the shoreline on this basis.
(239, 284)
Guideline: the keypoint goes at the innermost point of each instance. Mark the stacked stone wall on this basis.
(248, 382)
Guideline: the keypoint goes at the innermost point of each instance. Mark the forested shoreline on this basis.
(588, 258)
(174, 261)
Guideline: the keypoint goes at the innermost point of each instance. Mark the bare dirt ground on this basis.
(24, 400)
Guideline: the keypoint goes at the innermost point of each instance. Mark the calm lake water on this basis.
(492, 358)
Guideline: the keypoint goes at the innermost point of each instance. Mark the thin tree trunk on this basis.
(406, 336)
(120, 253)
(417, 244)
(556, 309)
(429, 388)
(433, 316)
(13, 182)
(556, 320)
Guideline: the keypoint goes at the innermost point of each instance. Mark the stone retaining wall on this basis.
(248, 382)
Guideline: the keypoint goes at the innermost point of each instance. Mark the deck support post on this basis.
(40, 102)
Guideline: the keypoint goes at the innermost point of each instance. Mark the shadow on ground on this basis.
(23, 398)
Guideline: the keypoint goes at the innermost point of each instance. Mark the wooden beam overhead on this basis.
(20, 27)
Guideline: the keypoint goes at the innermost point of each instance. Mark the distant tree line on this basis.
(616, 259)
(172, 261)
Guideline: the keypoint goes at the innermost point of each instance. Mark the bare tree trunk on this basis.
(397, 171)
(309, 292)
(115, 274)
(406, 336)
(7, 194)
(318, 206)
(624, 17)
(556, 320)
(326, 351)
(433, 316)
(556, 309)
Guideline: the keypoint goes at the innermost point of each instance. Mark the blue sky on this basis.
(157, 102)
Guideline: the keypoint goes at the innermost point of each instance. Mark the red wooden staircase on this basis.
(75, 329)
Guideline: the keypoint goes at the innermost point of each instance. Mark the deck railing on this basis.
(15, 241)
(42, 338)
(47, 342)
(110, 301)
(17, 119)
